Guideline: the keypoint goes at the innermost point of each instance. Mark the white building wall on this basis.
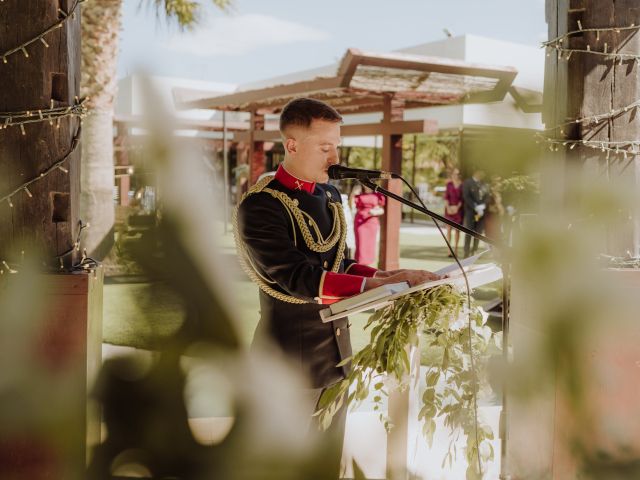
(528, 61)
(131, 98)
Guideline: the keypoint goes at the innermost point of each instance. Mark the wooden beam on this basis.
(394, 128)
(435, 64)
(188, 124)
(348, 66)
(243, 100)
(529, 101)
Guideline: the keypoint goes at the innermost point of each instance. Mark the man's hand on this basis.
(412, 277)
(388, 273)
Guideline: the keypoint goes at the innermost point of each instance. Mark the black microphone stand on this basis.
(506, 286)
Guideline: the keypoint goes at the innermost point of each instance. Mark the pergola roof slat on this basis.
(363, 79)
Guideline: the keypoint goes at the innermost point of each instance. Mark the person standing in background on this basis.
(453, 206)
(369, 206)
(473, 206)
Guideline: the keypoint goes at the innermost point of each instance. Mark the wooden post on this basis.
(413, 168)
(225, 169)
(624, 173)
(375, 152)
(391, 162)
(582, 86)
(45, 222)
(257, 158)
(65, 341)
(588, 85)
(609, 85)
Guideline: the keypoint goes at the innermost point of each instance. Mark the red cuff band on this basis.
(362, 270)
(336, 286)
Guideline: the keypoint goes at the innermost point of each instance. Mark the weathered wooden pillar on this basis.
(44, 216)
(581, 84)
(257, 157)
(389, 257)
(57, 343)
(414, 153)
(609, 85)
(585, 85)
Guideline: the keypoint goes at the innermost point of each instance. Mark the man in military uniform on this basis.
(291, 240)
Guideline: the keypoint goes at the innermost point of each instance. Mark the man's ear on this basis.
(290, 145)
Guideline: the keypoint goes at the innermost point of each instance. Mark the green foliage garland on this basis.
(451, 335)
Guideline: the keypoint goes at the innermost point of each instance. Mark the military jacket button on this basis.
(338, 332)
(325, 264)
(329, 194)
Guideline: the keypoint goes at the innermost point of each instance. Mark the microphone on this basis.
(338, 172)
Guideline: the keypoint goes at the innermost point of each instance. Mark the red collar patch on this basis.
(293, 183)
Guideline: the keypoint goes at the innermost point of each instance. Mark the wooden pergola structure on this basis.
(365, 83)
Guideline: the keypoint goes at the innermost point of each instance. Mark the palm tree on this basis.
(101, 20)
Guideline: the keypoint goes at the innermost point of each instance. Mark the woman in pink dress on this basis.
(453, 205)
(366, 225)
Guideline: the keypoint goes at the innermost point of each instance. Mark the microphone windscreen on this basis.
(334, 172)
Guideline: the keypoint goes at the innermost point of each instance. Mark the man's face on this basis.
(313, 150)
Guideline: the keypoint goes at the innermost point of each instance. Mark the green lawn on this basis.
(142, 314)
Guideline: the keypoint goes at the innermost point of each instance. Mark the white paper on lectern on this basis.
(369, 296)
(476, 274)
(465, 263)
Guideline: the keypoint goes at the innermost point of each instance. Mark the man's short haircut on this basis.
(301, 112)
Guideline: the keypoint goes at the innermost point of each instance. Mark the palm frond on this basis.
(185, 12)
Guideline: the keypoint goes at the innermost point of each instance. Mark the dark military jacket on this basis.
(281, 257)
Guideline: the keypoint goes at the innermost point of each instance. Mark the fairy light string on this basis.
(59, 165)
(86, 263)
(25, 117)
(40, 38)
(625, 148)
(558, 44)
(596, 119)
(50, 115)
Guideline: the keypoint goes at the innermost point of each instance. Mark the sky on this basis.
(260, 39)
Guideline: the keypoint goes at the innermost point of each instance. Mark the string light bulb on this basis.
(78, 109)
(40, 37)
(58, 165)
